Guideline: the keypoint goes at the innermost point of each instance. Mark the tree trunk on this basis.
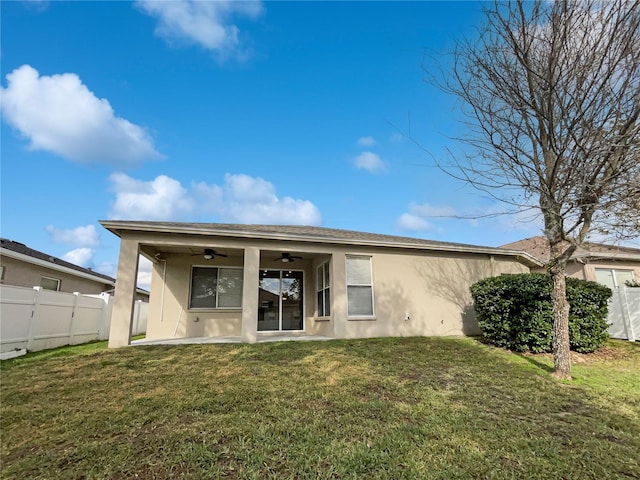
(561, 346)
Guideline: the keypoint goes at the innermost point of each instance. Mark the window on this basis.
(213, 287)
(323, 290)
(1, 272)
(49, 283)
(359, 287)
(613, 278)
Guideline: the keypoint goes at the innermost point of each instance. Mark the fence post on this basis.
(104, 317)
(626, 314)
(73, 316)
(137, 307)
(34, 315)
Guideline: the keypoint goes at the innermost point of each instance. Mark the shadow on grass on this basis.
(542, 366)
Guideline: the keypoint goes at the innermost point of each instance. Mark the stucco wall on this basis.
(433, 288)
(23, 274)
(178, 320)
(587, 271)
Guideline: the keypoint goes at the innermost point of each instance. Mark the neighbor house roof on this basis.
(20, 251)
(309, 234)
(539, 248)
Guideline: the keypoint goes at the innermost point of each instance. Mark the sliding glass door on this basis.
(280, 305)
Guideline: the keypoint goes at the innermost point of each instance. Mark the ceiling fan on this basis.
(209, 253)
(287, 258)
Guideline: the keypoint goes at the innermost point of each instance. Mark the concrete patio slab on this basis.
(200, 340)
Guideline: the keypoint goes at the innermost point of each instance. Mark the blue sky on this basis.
(241, 112)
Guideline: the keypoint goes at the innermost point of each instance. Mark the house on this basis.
(606, 264)
(22, 266)
(251, 281)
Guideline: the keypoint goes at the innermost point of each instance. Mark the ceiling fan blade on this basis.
(286, 257)
(210, 252)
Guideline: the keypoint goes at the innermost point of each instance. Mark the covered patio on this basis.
(219, 289)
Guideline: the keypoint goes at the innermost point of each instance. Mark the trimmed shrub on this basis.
(515, 312)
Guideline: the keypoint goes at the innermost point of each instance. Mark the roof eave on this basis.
(115, 227)
(608, 256)
(60, 268)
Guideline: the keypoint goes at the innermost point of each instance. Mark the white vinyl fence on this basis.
(624, 313)
(37, 319)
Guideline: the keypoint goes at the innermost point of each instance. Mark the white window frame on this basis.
(613, 274)
(217, 295)
(370, 285)
(303, 298)
(323, 272)
(57, 280)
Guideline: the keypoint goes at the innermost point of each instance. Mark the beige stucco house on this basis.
(251, 281)
(606, 264)
(23, 266)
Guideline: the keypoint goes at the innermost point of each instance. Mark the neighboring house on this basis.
(249, 281)
(25, 267)
(22, 266)
(606, 264)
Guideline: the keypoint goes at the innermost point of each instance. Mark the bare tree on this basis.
(552, 96)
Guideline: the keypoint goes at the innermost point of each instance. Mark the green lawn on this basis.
(386, 408)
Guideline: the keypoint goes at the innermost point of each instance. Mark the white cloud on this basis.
(242, 199)
(426, 210)
(204, 23)
(366, 141)
(80, 256)
(415, 220)
(426, 217)
(107, 268)
(144, 271)
(413, 223)
(160, 199)
(253, 200)
(86, 236)
(528, 221)
(369, 161)
(59, 114)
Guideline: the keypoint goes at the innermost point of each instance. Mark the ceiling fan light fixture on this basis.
(210, 253)
(286, 257)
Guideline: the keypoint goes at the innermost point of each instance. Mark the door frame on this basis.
(302, 295)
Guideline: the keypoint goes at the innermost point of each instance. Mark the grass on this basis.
(387, 408)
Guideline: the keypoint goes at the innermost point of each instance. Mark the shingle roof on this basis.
(21, 248)
(321, 233)
(539, 248)
(298, 232)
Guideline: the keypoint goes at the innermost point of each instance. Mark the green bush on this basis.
(515, 312)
